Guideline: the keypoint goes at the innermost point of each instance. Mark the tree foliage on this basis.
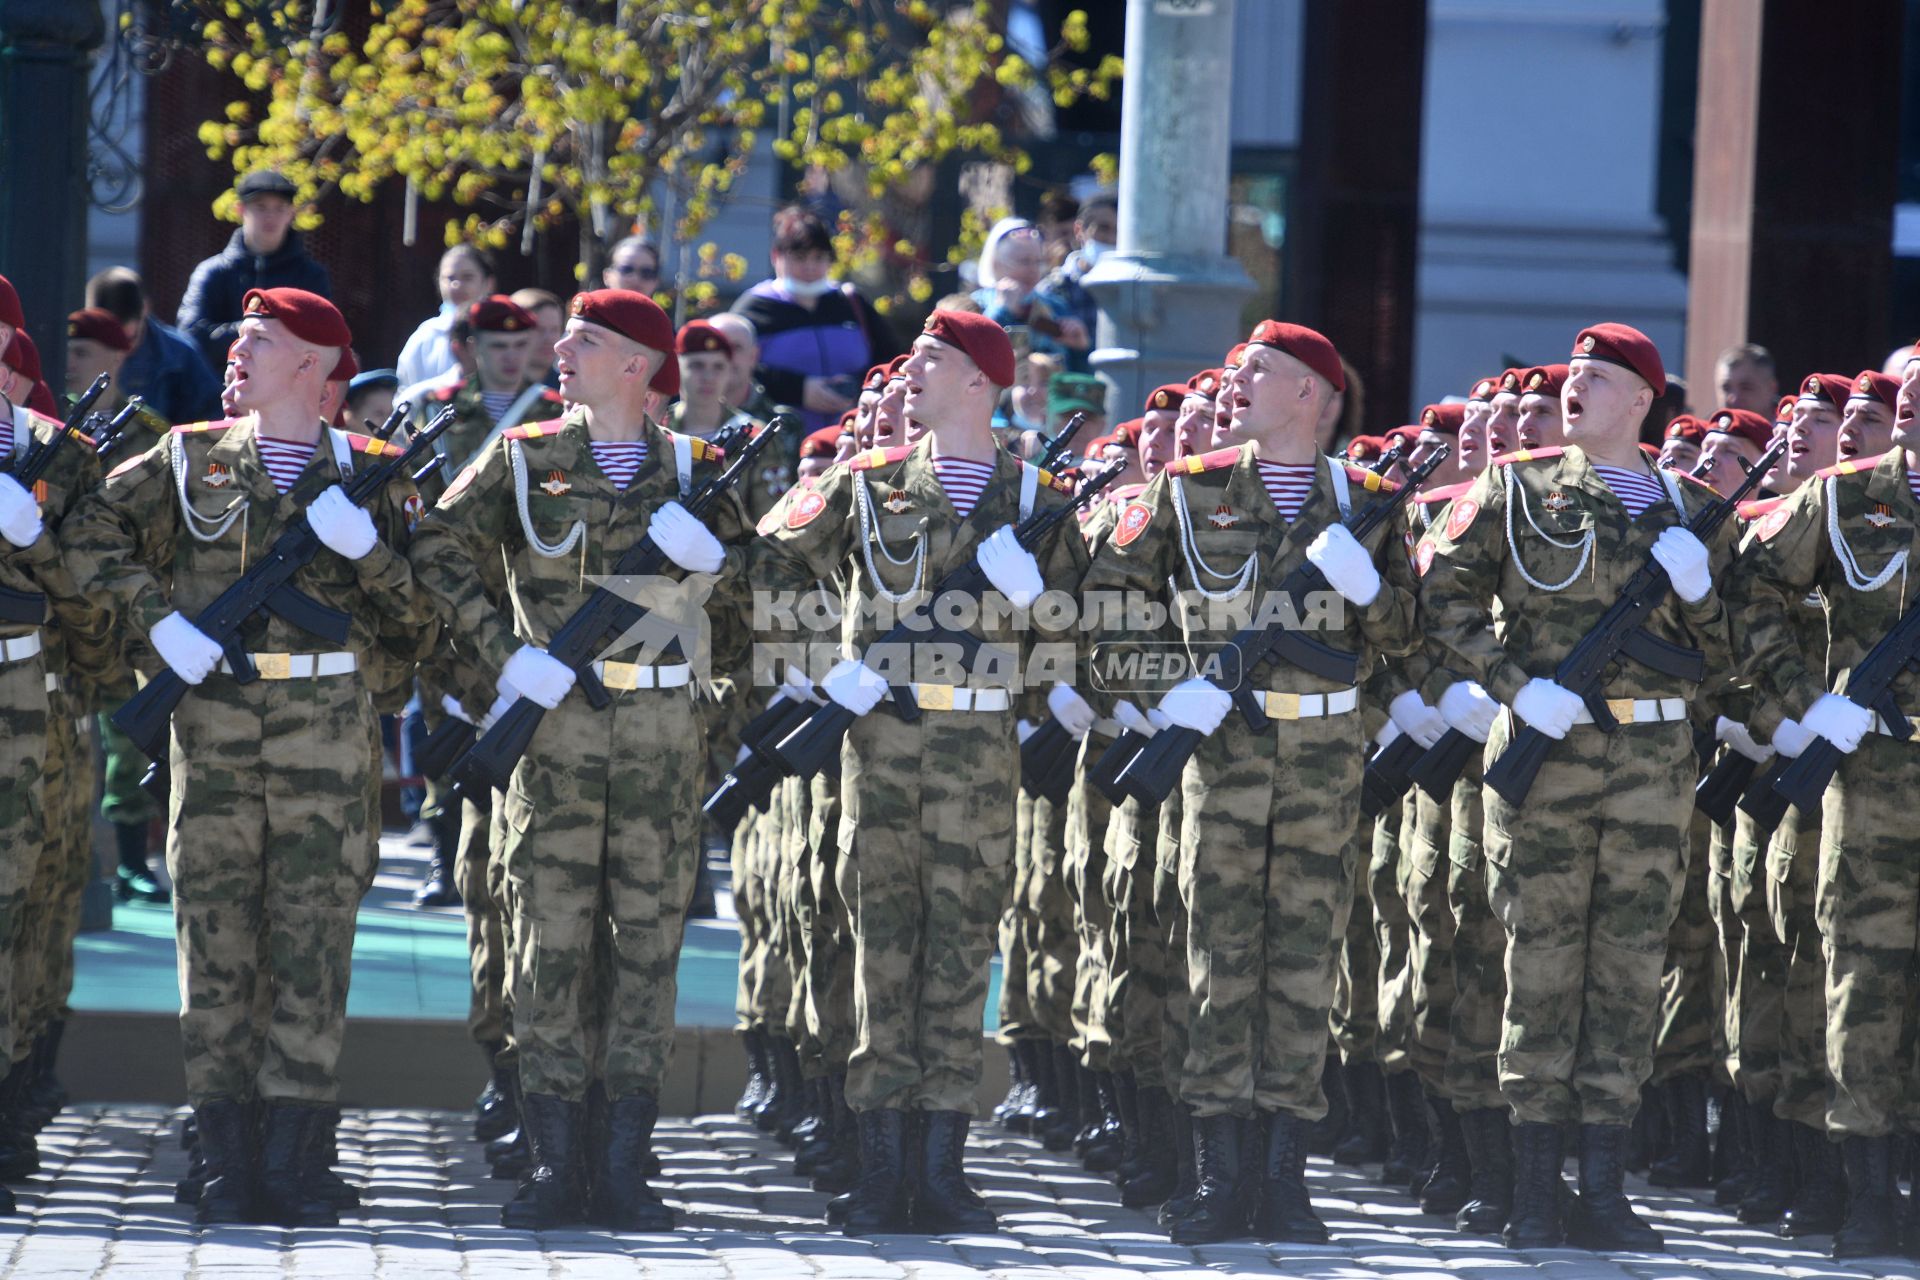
(528, 114)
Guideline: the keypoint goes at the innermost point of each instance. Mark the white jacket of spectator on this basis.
(429, 351)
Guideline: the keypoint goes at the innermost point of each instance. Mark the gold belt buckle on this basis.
(620, 675)
(934, 697)
(274, 666)
(1283, 706)
(1622, 709)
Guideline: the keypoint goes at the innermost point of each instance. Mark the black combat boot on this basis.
(19, 1154)
(1041, 1099)
(1056, 1131)
(554, 1194)
(1771, 1190)
(1326, 1132)
(814, 1135)
(1606, 1220)
(1819, 1205)
(1489, 1142)
(1005, 1109)
(1159, 1138)
(1539, 1218)
(1186, 1180)
(1407, 1114)
(1735, 1155)
(1365, 1139)
(1219, 1208)
(1689, 1158)
(133, 879)
(493, 1110)
(223, 1135)
(1448, 1187)
(1286, 1211)
(1872, 1228)
(1098, 1142)
(1126, 1102)
(439, 889)
(786, 1103)
(877, 1204)
(841, 1167)
(622, 1200)
(323, 1153)
(44, 1090)
(284, 1198)
(759, 1074)
(943, 1203)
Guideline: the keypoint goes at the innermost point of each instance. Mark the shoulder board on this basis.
(1691, 479)
(1528, 455)
(1852, 466)
(378, 448)
(552, 397)
(127, 465)
(1059, 484)
(1446, 493)
(1371, 481)
(188, 428)
(702, 450)
(1194, 464)
(879, 457)
(1754, 508)
(531, 431)
(444, 394)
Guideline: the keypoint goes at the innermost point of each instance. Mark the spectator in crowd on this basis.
(466, 276)
(957, 302)
(265, 253)
(96, 344)
(1746, 379)
(743, 389)
(633, 264)
(1058, 213)
(817, 335)
(1011, 266)
(370, 395)
(1071, 393)
(460, 342)
(1094, 232)
(1025, 406)
(550, 314)
(163, 367)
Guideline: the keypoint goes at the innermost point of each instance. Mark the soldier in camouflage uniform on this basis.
(1265, 818)
(272, 838)
(926, 828)
(601, 819)
(1846, 535)
(1587, 875)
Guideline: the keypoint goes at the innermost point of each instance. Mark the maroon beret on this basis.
(895, 365)
(97, 325)
(1826, 388)
(1366, 448)
(1484, 390)
(1686, 427)
(1402, 435)
(308, 316)
(1510, 382)
(876, 378)
(499, 314)
(666, 379)
(1626, 346)
(1126, 435)
(10, 312)
(1232, 361)
(1167, 397)
(697, 336)
(1874, 385)
(821, 443)
(1544, 380)
(22, 356)
(1743, 423)
(1204, 383)
(629, 314)
(1444, 418)
(1783, 412)
(984, 341)
(1305, 345)
(346, 368)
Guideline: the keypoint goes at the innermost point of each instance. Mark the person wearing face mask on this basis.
(1011, 265)
(817, 334)
(1095, 230)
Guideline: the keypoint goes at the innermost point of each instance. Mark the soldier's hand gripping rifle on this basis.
(808, 749)
(267, 585)
(1151, 776)
(1621, 632)
(29, 608)
(580, 639)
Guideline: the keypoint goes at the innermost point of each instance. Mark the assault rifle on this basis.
(29, 608)
(1870, 686)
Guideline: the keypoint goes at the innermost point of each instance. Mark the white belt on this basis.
(1880, 725)
(1310, 706)
(19, 647)
(1109, 728)
(1639, 710)
(944, 697)
(53, 683)
(632, 675)
(297, 666)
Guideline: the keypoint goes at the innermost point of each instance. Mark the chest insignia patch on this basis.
(897, 502)
(556, 484)
(1557, 502)
(1223, 517)
(218, 476)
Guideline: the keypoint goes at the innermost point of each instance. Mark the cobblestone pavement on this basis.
(104, 1208)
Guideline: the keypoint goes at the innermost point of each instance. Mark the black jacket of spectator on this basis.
(210, 310)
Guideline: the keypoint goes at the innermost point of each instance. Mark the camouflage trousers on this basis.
(1868, 907)
(24, 825)
(1095, 1010)
(42, 953)
(1423, 886)
(1586, 878)
(1792, 878)
(1355, 1019)
(1757, 977)
(1176, 1021)
(828, 931)
(271, 843)
(1392, 931)
(926, 834)
(1052, 942)
(1135, 948)
(1263, 841)
(486, 943)
(602, 833)
(762, 986)
(123, 799)
(1684, 1041)
(1015, 1011)
(1479, 959)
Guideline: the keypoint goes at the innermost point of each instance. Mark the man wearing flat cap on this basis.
(272, 833)
(1586, 876)
(601, 820)
(926, 832)
(265, 252)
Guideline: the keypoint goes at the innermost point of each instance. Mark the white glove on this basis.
(741, 756)
(1010, 567)
(1416, 719)
(1388, 732)
(1840, 720)
(1071, 710)
(685, 541)
(1684, 557)
(1131, 717)
(1790, 739)
(345, 528)
(1346, 564)
(1195, 703)
(451, 705)
(186, 648)
(799, 687)
(1737, 736)
(19, 514)
(1022, 730)
(534, 673)
(1469, 708)
(854, 685)
(499, 708)
(1546, 706)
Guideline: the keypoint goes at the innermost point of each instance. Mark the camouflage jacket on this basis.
(772, 476)
(79, 641)
(473, 426)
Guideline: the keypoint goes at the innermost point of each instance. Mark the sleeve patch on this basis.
(460, 483)
(804, 508)
(1133, 522)
(1460, 517)
(1772, 523)
(414, 508)
(1424, 556)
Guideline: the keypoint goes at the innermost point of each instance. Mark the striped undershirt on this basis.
(497, 403)
(620, 460)
(284, 459)
(1635, 488)
(1288, 484)
(1913, 484)
(964, 481)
